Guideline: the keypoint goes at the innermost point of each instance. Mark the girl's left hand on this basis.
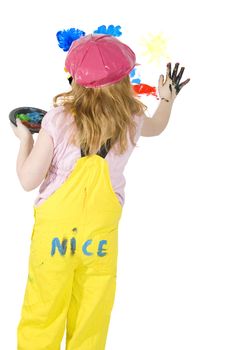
(21, 131)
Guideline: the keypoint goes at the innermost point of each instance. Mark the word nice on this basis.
(61, 247)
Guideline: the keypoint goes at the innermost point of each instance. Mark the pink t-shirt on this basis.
(59, 125)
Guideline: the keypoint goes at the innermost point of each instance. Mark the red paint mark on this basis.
(145, 89)
(31, 125)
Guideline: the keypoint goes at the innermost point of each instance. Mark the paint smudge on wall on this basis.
(111, 30)
(134, 79)
(156, 47)
(144, 89)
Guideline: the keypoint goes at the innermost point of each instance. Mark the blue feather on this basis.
(66, 37)
(111, 30)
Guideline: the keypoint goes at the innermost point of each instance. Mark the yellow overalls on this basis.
(73, 262)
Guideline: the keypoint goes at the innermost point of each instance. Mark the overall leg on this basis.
(46, 299)
(93, 294)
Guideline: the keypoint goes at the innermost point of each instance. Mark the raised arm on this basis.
(155, 125)
(168, 91)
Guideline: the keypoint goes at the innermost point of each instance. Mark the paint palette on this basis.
(31, 117)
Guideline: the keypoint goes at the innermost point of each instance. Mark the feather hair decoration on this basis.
(66, 37)
(111, 30)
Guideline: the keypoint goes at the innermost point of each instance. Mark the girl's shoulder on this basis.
(53, 113)
(55, 120)
(55, 116)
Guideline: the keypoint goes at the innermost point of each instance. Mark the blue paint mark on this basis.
(73, 245)
(66, 37)
(111, 30)
(100, 248)
(136, 81)
(84, 247)
(60, 246)
(132, 73)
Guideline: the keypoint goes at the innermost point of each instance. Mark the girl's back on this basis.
(60, 125)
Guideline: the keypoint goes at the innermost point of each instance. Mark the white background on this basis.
(175, 236)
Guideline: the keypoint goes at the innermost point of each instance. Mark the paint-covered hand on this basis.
(21, 131)
(169, 89)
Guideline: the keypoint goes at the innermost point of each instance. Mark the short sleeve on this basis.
(55, 123)
(47, 123)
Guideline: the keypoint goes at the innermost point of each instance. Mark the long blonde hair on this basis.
(100, 110)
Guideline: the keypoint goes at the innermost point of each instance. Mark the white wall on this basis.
(175, 236)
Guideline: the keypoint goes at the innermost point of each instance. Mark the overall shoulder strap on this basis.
(103, 150)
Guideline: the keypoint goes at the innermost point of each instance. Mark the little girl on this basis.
(80, 154)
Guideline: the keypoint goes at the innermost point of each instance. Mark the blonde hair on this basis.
(100, 110)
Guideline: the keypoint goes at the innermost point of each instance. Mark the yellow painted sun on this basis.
(156, 47)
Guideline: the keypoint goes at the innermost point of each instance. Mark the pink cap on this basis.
(99, 60)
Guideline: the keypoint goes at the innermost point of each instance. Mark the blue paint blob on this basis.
(35, 116)
(84, 247)
(111, 30)
(60, 246)
(66, 37)
(132, 73)
(136, 81)
(100, 248)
